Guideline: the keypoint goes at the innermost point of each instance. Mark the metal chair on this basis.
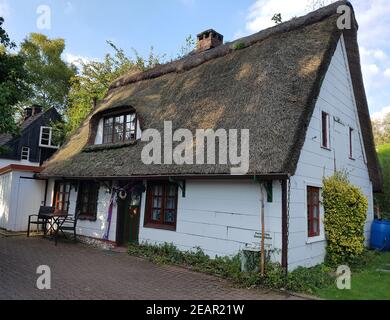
(41, 218)
(67, 224)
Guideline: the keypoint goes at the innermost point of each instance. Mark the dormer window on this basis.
(119, 128)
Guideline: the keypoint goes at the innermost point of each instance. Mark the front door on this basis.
(128, 220)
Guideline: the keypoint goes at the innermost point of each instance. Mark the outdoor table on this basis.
(55, 220)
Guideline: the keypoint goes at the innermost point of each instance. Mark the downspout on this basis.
(262, 219)
(284, 226)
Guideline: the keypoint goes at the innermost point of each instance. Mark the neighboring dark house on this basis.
(33, 145)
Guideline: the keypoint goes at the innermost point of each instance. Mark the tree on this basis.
(94, 79)
(13, 82)
(50, 75)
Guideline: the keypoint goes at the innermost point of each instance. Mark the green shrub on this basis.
(345, 216)
(302, 280)
(383, 199)
(239, 46)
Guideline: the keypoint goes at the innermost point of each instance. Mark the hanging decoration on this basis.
(122, 194)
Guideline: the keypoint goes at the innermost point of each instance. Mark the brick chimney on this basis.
(209, 39)
(36, 109)
(27, 113)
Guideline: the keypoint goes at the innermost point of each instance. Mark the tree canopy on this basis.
(50, 75)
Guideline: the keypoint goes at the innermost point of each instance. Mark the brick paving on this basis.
(81, 272)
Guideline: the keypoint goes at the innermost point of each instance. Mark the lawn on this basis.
(368, 284)
(383, 152)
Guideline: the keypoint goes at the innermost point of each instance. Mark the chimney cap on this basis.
(209, 31)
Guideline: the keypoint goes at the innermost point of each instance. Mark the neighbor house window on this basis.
(119, 128)
(25, 153)
(61, 196)
(313, 211)
(46, 138)
(351, 133)
(161, 205)
(87, 200)
(325, 130)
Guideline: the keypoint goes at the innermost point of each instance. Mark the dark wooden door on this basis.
(128, 221)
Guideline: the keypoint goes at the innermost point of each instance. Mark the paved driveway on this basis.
(81, 272)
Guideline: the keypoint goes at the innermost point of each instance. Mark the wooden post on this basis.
(262, 253)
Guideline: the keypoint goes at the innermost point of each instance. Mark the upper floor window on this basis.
(351, 134)
(119, 128)
(325, 130)
(46, 138)
(25, 153)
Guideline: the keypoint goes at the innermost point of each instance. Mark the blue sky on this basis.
(164, 24)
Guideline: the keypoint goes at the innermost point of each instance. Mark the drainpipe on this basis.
(262, 253)
(284, 226)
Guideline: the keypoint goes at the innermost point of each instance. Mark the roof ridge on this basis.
(192, 61)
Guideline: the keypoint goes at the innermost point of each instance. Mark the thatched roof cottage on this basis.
(296, 88)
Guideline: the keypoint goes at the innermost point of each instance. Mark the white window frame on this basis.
(49, 145)
(328, 147)
(23, 154)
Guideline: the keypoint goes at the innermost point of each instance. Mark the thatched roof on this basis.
(267, 83)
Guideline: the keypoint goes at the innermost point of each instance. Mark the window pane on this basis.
(158, 190)
(169, 216)
(172, 190)
(156, 215)
(157, 202)
(170, 203)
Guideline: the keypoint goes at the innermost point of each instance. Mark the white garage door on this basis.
(31, 195)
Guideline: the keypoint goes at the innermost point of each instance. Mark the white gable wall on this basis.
(337, 99)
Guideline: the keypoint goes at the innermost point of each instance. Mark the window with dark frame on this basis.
(351, 131)
(161, 205)
(313, 211)
(61, 196)
(120, 128)
(325, 129)
(87, 197)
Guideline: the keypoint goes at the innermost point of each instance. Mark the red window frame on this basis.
(325, 129)
(157, 197)
(61, 196)
(115, 130)
(313, 211)
(87, 197)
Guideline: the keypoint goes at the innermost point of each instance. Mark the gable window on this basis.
(87, 197)
(325, 130)
(351, 134)
(313, 211)
(161, 205)
(46, 138)
(119, 128)
(25, 153)
(61, 196)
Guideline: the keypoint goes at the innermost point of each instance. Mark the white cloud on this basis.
(77, 59)
(374, 37)
(4, 9)
(381, 114)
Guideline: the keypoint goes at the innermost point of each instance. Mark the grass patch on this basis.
(367, 282)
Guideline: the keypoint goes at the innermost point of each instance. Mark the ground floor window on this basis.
(61, 196)
(87, 197)
(161, 205)
(313, 211)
